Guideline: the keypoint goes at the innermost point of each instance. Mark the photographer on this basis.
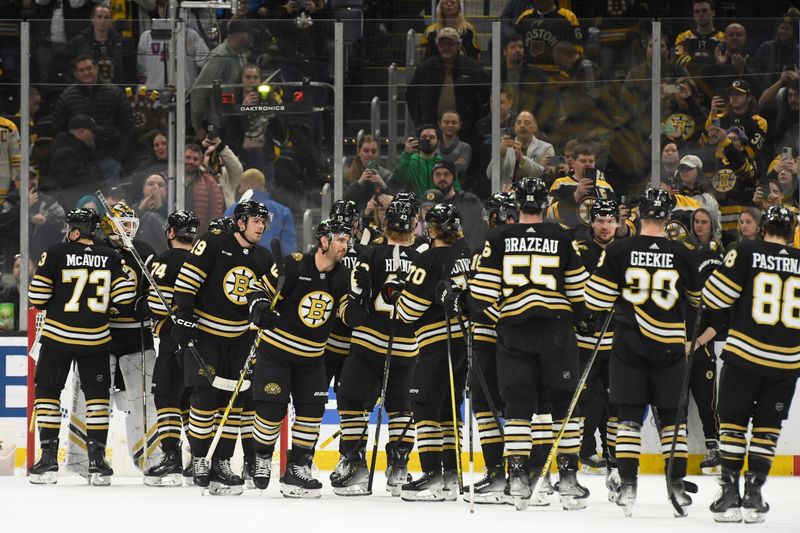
(415, 165)
(524, 155)
(223, 165)
(366, 176)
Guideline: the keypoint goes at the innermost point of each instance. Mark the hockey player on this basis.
(646, 278)
(211, 299)
(431, 388)
(759, 283)
(290, 354)
(529, 280)
(362, 374)
(77, 283)
(170, 394)
(501, 209)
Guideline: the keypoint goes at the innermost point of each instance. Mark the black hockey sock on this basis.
(202, 420)
(230, 432)
(490, 437)
(681, 449)
(732, 445)
(354, 431)
(570, 442)
(762, 449)
(611, 440)
(47, 409)
(246, 431)
(542, 434)
(517, 438)
(628, 449)
(594, 413)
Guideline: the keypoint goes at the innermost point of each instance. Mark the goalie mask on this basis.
(84, 220)
(127, 218)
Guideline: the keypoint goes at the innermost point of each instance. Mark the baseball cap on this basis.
(740, 132)
(432, 197)
(448, 33)
(740, 86)
(691, 161)
(82, 122)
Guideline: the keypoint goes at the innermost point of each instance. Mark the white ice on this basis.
(128, 505)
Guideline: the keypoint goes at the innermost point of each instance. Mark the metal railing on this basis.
(375, 118)
(392, 114)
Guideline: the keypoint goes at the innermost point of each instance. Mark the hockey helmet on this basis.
(83, 219)
(531, 195)
(345, 211)
(399, 216)
(410, 197)
(329, 227)
(184, 223)
(500, 206)
(126, 217)
(250, 209)
(223, 224)
(445, 217)
(603, 208)
(780, 221)
(656, 203)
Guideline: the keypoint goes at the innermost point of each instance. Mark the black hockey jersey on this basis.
(78, 285)
(416, 303)
(541, 32)
(214, 282)
(529, 270)
(339, 339)
(696, 51)
(165, 271)
(760, 283)
(308, 303)
(590, 255)
(125, 323)
(371, 337)
(651, 274)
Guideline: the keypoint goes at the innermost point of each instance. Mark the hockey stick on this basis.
(468, 419)
(447, 288)
(384, 383)
(144, 399)
(684, 398)
(215, 381)
(573, 402)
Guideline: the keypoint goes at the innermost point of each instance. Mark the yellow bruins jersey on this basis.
(10, 157)
(165, 271)
(562, 199)
(215, 279)
(646, 280)
(760, 283)
(79, 285)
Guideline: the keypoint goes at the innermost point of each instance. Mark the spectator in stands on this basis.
(282, 221)
(203, 193)
(11, 293)
(221, 163)
(670, 156)
(152, 212)
(469, 206)
(104, 43)
(10, 157)
(682, 114)
(225, 63)
(523, 155)
(780, 103)
(108, 107)
(544, 26)
(34, 105)
(303, 35)
(692, 182)
(365, 176)
(450, 146)
(732, 62)
(45, 215)
(527, 87)
(151, 58)
(515, 8)
(449, 15)
(739, 109)
(415, 165)
(783, 170)
(73, 169)
(704, 233)
(482, 142)
(773, 57)
(154, 163)
(90, 201)
(449, 81)
(747, 226)
(372, 217)
(694, 48)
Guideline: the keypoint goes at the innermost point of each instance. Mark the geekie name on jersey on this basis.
(651, 259)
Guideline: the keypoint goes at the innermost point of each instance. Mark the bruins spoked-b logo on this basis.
(236, 281)
(272, 388)
(315, 308)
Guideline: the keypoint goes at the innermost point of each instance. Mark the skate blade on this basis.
(593, 470)
(426, 495)
(394, 490)
(188, 481)
(216, 488)
(291, 491)
(572, 503)
(99, 480)
(48, 478)
(170, 480)
(752, 516)
(487, 498)
(734, 514)
(627, 510)
(711, 470)
(359, 489)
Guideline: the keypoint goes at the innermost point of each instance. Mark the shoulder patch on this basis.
(297, 256)
(216, 231)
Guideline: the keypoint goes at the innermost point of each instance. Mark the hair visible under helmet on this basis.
(779, 221)
(83, 219)
(447, 222)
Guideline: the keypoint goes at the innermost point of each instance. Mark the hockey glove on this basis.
(185, 328)
(451, 297)
(262, 315)
(362, 284)
(391, 290)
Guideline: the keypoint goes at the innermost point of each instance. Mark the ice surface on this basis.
(130, 506)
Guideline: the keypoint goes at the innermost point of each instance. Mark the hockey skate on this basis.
(571, 493)
(489, 489)
(627, 496)
(753, 505)
(297, 481)
(397, 468)
(428, 488)
(99, 471)
(613, 483)
(248, 469)
(676, 485)
(222, 480)
(593, 465)
(727, 506)
(200, 475)
(540, 498)
(188, 474)
(518, 488)
(452, 485)
(262, 470)
(45, 470)
(167, 473)
(712, 460)
(351, 476)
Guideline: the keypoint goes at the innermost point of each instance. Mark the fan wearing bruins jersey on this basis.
(759, 283)
(169, 393)
(530, 282)
(541, 29)
(292, 337)
(77, 283)
(646, 280)
(210, 296)
(362, 375)
(448, 258)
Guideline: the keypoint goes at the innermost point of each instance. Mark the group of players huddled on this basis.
(414, 322)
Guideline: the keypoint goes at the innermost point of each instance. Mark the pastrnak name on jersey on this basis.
(776, 264)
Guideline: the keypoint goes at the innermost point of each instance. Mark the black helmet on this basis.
(603, 208)
(409, 197)
(500, 206)
(251, 208)
(345, 211)
(329, 226)
(223, 224)
(445, 217)
(531, 195)
(780, 221)
(83, 219)
(184, 223)
(399, 216)
(656, 203)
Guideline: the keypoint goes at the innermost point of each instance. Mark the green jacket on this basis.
(415, 174)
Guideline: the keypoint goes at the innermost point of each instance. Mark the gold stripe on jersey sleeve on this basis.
(338, 344)
(728, 282)
(410, 307)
